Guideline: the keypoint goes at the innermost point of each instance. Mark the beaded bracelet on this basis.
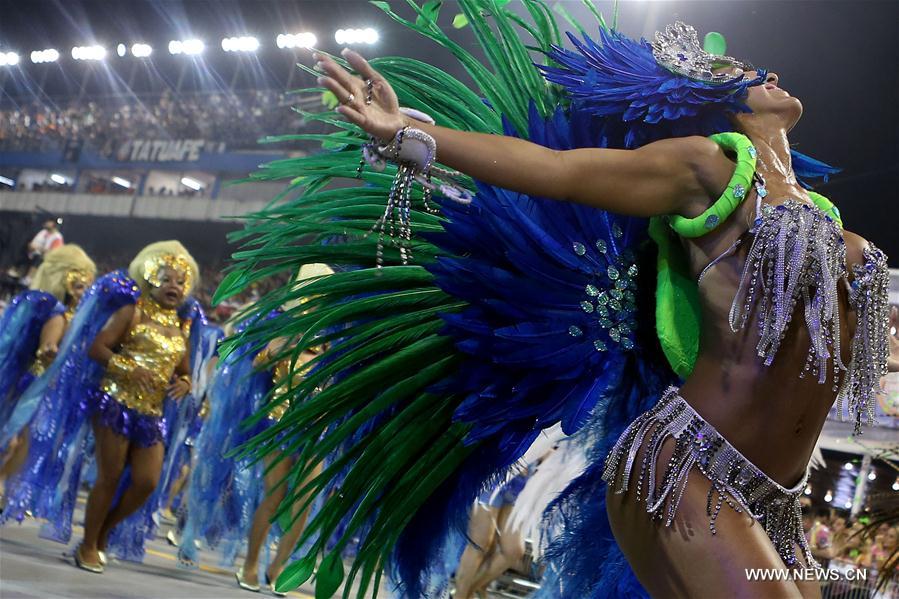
(414, 152)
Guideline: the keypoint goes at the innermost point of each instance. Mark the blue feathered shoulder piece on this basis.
(54, 408)
(20, 330)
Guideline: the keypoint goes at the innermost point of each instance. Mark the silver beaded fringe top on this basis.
(798, 255)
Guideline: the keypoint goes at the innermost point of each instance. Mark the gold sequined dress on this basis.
(122, 404)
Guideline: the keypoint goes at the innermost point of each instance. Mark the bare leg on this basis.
(146, 467)
(177, 486)
(508, 552)
(482, 535)
(288, 542)
(262, 519)
(14, 457)
(111, 453)
(686, 559)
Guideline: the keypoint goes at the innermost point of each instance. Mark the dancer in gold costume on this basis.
(56, 289)
(144, 350)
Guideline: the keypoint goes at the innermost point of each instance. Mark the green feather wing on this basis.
(368, 411)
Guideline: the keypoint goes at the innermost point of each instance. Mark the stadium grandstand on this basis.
(134, 130)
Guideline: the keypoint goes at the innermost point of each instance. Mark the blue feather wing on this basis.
(20, 329)
(54, 407)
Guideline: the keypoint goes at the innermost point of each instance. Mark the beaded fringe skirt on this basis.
(734, 480)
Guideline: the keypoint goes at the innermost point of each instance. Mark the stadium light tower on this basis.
(46, 55)
(190, 47)
(8, 59)
(245, 43)
(141, 50)
(305, 39)
(88, 52)
(356, 36)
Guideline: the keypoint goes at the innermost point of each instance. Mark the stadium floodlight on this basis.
(356, 36)
(192, 183)
(246, 43)
(8, 59)
(121, 49)
(57, 178)
(141, 50)
(88, 52)
(122, 182)
(189, 47)
(7, 181)
(305, 39)
(46, 55)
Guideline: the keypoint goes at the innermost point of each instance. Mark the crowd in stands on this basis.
(236, 119)
(834, 537)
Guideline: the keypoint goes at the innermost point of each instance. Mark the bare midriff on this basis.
(769, 413)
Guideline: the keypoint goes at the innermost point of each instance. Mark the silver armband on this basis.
(413, 151)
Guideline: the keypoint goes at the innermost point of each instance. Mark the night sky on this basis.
(841, 58)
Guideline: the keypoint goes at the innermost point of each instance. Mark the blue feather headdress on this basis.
(637, 99)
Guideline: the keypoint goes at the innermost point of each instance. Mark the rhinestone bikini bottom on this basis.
(734, 479)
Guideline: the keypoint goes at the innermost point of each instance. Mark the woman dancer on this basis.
(226, 488)
(766, 308)
(236, 499)
(276, 467)
(32, 330)
(76, 391)
(144, 351)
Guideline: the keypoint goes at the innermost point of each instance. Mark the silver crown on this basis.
(678, 50)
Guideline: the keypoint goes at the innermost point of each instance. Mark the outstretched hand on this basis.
(367, 101)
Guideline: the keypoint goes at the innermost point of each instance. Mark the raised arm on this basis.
(111, 335)
(665, 177)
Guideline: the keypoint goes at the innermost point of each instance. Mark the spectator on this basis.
(48, 238)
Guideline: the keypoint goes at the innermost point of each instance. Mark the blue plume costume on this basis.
(182, 417)
(55, 408)
(225, 490)
(20, 330)
(515, 313)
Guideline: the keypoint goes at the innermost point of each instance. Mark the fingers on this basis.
(352, 115)
(349, 82)
(337, 89)
(360, 65)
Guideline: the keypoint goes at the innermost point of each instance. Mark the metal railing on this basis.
(856, 583)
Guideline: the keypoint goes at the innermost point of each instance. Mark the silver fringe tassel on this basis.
(798, 254)
(869, 295)
(735, 480)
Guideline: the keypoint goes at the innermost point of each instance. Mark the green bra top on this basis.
(678, 316)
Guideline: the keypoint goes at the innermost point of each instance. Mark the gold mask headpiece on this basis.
(155, 265)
